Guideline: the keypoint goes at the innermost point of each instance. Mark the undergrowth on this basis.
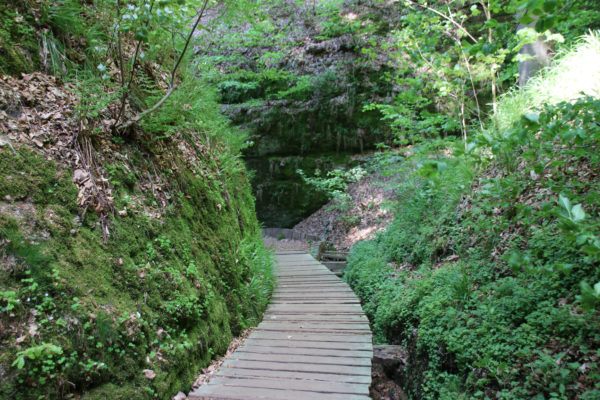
(489, 273)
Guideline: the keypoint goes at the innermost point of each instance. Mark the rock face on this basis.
(282, 198)
(301, 93)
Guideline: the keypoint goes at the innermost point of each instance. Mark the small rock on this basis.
(7, 197)
(180, 396)
(148, 373)
(389, 355)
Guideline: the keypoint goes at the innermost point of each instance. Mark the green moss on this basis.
(19, 48)
(28, 177)
(175, 290)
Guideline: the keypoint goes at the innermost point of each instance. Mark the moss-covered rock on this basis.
(19, 45)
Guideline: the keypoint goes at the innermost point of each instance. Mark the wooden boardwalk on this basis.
(314, 342)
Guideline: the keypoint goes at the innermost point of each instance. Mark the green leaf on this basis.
(564, 203)
(141, 35)
(550, 5)
(577, 212)
(545, 23)
(526, 19)
(491, 23)
(532, 117)
(19, 362)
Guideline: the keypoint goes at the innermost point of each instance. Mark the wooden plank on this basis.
(315, 301)
(332, 280)
(311, 360)
(251, 373)
(310, 344)
(320, 308)
(300, 265)
(304, 268)
(266, 349)
(298, 384)
(313, 315)
(313, 297)
(324, 331)
(289, 259)
(313, 337)
(317, 318)
(322, 299)
(291, 285)
(316, 294)
(313, 267)
(299, 367)
(322, 283)
(326, 277)
(304, 274)
(337, 287)
(291, 292)
(334, 288)
(247, 393)
(352, 325)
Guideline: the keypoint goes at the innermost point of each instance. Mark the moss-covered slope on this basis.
(164, 294)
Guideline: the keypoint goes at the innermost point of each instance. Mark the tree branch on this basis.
(131, 76)
(172, 85)
(187, 42)
(119, 47)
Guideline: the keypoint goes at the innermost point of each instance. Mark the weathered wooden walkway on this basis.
(314, 342)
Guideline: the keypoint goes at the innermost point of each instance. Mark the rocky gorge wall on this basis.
(296, 77)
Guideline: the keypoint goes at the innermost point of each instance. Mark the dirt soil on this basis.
(366, 214)
(384, 388)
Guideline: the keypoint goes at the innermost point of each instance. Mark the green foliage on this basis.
(494, 293)
(336, 182)
(466, 53)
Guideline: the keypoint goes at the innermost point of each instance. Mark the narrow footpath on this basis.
(313, 343)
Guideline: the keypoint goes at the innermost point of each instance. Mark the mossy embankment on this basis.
(129, 258)
(165, 294)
